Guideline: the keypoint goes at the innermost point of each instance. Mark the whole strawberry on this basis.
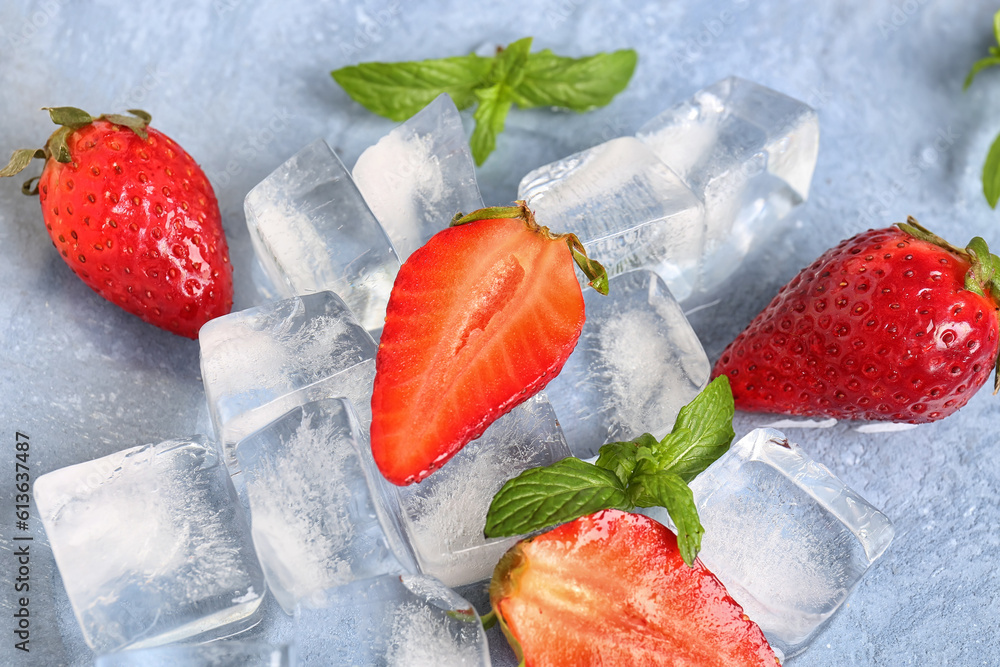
(893, 324)
(479, 320)
(134, 217)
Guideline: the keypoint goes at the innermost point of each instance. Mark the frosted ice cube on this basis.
(638, 362)
(315, 518)
(152, 544)
(417, 177)
(214, 654)
(261, 362)
(626, 206)
(787, 538)
(444, 515)
(408, 621)
(748, 152)
(312, 231)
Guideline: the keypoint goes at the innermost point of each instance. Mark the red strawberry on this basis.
(892, 324)
(134, 217)
(611, 589)
(479, 320)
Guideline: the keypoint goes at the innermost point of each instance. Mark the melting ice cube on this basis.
(787, 538)
(316, 522)
(312, 231)
(259, 363)
(444, 515)
(408, 621)
(152, 544)
(214, 654)
(417, 177)
(638, 362)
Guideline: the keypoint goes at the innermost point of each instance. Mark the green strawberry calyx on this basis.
(983, 276)
(595, 272)
(69, 119)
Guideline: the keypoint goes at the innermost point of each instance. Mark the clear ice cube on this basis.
(788, 539)
(261, 362)
(626, 206)
(312, 231)
(417, 177)
(316, 522)
(444, 515)
(226, 653)
(638, 362)
(152, 544)
(390, 621)
(748, 152)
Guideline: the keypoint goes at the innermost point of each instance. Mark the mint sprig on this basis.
(514, 76)
(991, 168)
(643, 472)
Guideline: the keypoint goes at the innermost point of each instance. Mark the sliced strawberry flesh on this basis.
(612, 589)
(507, 311)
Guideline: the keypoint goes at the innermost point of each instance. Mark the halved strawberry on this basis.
(611, 589)
(479, 320)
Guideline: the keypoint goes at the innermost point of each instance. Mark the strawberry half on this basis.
(892, 324)
(479, 320)
(134, 217)
(611, 589)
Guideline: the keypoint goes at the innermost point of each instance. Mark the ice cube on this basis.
(411, 621)
(315, 518)
(417, 177)
(444, 515)
(637, 363)
(312, 231)
(261, 362)
(626, 206)
(152, 544)
(788, 539)
(748, 152)
(214, 654)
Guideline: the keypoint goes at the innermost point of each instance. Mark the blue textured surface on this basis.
(244, 85)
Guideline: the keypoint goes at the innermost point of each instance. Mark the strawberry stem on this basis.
(70, 119)
(596, 274)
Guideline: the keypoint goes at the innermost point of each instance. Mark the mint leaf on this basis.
(579, 84)
(543, 497)
(991, 174)
(399, 90)
(622, 457)
(668, 490)
(708, 419)
(490, 116)
(514, 75)
(979, 66)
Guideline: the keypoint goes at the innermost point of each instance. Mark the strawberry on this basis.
(611, 589)
(134, 217)
(479, 320)
(892, 324)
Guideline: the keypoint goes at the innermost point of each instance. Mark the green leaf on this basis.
(543, 497)
(490, 116)
(621, 457)
(670, 491)
(996, 26)
(991, 174)
(579, 84)
(20, 159)
(978, 67)
(399, 90)
(708, 421)
(510, 63)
